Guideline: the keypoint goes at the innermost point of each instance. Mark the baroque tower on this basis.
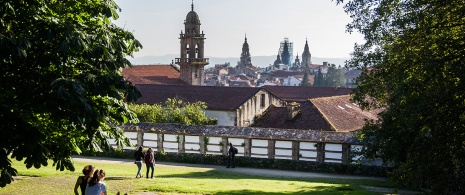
(245, 55)
(192, 61)
(286, 56)
(306, 56)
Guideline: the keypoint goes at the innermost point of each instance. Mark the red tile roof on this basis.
(308, 119)
(153, 74)
(303, 93)
(343, 115)
(216, 98)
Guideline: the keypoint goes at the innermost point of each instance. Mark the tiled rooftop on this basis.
(303, 93)
(153, 74)
(343, 115)
(216, 98)
(308, 119)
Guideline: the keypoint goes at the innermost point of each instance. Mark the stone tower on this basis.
(297, 61)
(306, 56)
(286, 56)
(192, 61)
(245, 55)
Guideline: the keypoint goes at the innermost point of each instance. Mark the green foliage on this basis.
(305, 80)
(61, 88)
(173, 111)
(333, 78)
(413, 62)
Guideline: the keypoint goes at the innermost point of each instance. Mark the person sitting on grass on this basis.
(88, 171)
(96, 185)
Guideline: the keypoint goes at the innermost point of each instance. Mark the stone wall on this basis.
(318, 146)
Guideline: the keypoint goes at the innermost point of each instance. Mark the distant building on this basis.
(306, 56)
(192, 59)
(245, 56)
(290, 51)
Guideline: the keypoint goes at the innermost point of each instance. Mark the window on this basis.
(262, 100)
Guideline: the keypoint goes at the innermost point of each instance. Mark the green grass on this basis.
(178, 180)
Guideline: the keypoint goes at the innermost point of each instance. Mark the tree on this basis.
(173, 111)
(61, 87)
(305, 81)
(319, 79)
(413, 67)
(334, 77)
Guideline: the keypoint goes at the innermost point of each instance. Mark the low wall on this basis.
(306, 145)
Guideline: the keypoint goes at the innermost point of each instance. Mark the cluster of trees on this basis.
(60, 82)
(173, 111)
(414, 68)
(333, 78)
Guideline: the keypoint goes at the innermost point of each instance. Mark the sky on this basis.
(158, 23)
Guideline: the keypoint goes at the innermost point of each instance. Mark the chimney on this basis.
(293, 109)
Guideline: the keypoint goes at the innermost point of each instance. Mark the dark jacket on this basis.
(139, 156)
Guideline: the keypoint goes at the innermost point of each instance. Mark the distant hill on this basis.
(260, 61)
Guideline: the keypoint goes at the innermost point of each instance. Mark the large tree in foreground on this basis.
(60, 82)
(414, 62)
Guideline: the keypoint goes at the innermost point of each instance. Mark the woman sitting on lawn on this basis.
(96, 185)
(88, 171)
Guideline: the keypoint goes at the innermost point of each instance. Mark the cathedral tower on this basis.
(306, 56)
(192, 59)
(286, 56)
(245, 55)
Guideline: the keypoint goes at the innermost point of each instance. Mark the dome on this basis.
(192, 18)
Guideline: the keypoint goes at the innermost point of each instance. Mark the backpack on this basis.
(235, 150)
(147, 158)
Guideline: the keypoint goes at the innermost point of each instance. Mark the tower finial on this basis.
(192, 5)
(245, 37)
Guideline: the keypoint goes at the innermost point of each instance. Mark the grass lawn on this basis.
(178, 180)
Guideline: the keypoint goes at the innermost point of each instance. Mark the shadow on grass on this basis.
(313, 190)
(116, 178)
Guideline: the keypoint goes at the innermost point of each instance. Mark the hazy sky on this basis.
(158, 23)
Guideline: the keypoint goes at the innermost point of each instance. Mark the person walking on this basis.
(149, 159)
(139, 156)
(231, 155)
(96, 185)
(81, 182)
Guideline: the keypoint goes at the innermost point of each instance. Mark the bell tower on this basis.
(192, 59)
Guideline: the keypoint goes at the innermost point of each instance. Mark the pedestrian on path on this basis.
(139, 156)
(149, 159)
(231, 155)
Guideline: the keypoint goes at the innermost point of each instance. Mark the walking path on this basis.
(253, 171)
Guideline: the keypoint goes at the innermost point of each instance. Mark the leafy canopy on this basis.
(60, 82)
(414, 66)
(173, 111)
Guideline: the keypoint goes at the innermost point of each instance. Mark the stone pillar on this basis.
(295, 150)
(181, 145)
(225, 146)
(203, 145)
(271, 147)
(320, 149)
(346, 153)
(247, 147)
(140, 138)
(159, 142)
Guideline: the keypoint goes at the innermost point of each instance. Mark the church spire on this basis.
(306, 56)
(192, 5)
